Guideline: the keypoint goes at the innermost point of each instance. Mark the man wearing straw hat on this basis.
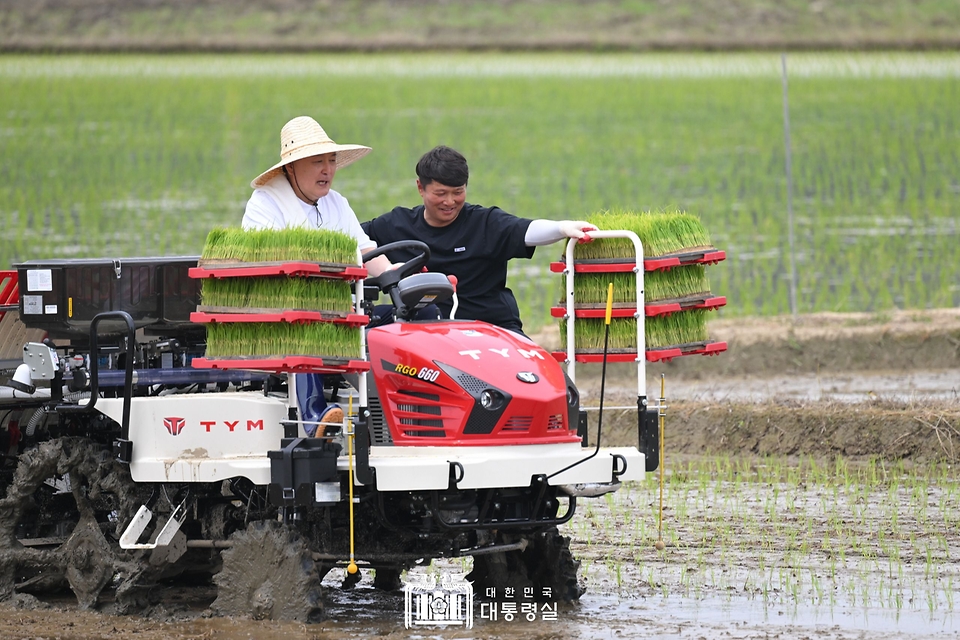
(471, 242)
(296, 192)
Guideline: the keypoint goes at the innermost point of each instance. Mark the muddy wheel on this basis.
(53, 518)
(546, 565)
(88, 562)
(269, 574)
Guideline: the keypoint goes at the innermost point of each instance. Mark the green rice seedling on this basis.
(878, 177)
(591, 288)
(224, 341)
(255, 339)
(280, 245)
(590, 334)
(659, 331)
(228, 292)
(222, 243)
(660, 233)
(312, 294)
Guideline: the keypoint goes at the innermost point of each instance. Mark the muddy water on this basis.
(904, 386)
(609, 616)
(363, 613)
(747, 555)
(366, 614)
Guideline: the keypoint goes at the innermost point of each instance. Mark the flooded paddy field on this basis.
(755, 547)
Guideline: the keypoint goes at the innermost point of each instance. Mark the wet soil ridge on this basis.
(392, 25)
(822, 429)
(815, 343)
(907, 424)
(825, 342)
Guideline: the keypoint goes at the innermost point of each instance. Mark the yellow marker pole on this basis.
(603, 368)
(603, 382)
(661, 415)
(352, 567)
(609, 304)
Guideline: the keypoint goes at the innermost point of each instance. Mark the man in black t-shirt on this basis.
(468, 241)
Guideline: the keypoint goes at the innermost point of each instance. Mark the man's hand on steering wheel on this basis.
(389, 279)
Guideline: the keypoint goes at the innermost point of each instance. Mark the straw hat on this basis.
(304, 137)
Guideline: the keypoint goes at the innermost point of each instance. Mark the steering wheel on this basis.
(389, 279)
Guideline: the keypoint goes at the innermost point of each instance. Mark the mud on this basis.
(820, 385)
(816, 344)
(745, 557)
(268, 574)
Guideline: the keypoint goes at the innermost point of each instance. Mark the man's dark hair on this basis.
(444, 165)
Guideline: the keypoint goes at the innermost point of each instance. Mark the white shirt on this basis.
(332, 212)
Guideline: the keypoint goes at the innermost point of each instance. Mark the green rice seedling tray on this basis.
(256, 339)
(660, 263)
(292, 244)
(285, 364)
(291, 316)
(660, 354)
(659, 308)
(260, 269)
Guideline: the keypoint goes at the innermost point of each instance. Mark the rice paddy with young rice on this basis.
(871, 535)
(116, 156)
(144, 155)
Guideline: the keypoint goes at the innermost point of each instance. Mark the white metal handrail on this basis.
(570, 270)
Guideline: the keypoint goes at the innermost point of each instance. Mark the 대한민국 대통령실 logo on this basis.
(427, 604)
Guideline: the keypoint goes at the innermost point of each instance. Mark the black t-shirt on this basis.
(475, 248)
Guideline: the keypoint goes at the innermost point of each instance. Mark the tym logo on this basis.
(251, 424)
(176, 425)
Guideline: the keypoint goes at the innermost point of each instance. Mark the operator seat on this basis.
(421, 289)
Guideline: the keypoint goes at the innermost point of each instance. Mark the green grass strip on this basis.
(660, 233)
(591, 288)
(660, 331)
(311, 294)
(280, 245)
(321, 339)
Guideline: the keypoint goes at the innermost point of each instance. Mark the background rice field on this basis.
(143, 155)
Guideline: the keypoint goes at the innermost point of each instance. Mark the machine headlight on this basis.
(490, 399)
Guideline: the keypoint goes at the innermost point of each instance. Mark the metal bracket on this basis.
(140, 521)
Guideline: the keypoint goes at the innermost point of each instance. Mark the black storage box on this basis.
(63, 296)
(300, 464)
